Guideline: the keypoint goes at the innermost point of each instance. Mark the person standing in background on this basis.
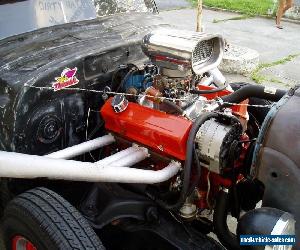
(283, 6)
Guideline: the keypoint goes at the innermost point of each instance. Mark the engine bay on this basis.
(173, 145)
(161, 106)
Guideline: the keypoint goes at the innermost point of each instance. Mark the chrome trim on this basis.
(182, 48)
(283, 222)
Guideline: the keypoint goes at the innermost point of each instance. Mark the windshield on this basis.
(19, 16)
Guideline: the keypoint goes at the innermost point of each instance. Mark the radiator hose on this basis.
(227, 238)
(249, 91)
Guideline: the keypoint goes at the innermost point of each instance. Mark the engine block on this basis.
(163, 133)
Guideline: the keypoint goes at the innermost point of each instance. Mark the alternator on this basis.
(214, 140)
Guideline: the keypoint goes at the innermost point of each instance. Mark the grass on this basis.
(247, 7)
(259, 78)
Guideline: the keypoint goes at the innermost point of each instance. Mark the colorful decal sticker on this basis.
(66, 79)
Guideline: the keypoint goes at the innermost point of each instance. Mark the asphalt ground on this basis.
(172, 4)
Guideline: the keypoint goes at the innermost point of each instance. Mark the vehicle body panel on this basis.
(36, 120)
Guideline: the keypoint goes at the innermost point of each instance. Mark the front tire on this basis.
(47, 221)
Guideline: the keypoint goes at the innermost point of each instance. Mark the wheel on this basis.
(5, 195)
(41, 219)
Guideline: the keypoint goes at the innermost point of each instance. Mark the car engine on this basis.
(161, 104)
(116, 128)
(171, 147)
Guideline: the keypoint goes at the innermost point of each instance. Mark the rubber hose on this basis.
(197, 174)
(208, 91)
(249, 91)
(228, 239)
(188, 162)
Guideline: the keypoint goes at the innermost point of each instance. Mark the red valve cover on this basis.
(160, 131)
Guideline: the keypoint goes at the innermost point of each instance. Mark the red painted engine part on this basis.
(167, 135)
(206, 195)
(240, 110)
(164, 133)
